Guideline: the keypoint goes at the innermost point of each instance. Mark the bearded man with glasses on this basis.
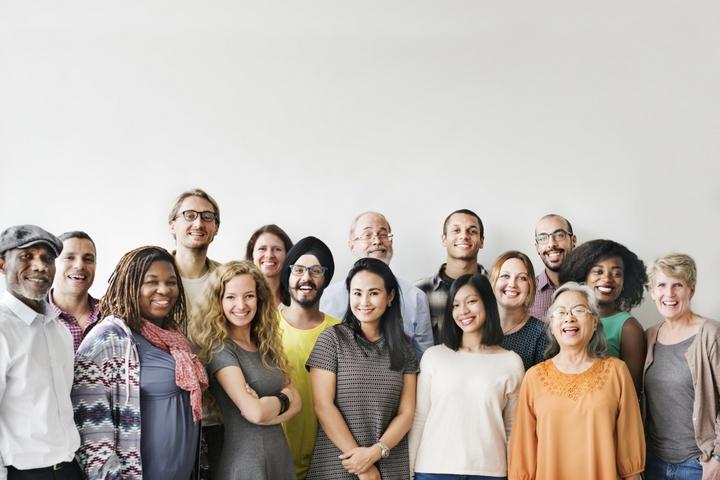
(554, 240)
(371, 236)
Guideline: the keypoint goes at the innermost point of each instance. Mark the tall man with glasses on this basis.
(554, 239)
(463, 237)
(306, 271)
(38, 437)
(194, 221)
(371, 236)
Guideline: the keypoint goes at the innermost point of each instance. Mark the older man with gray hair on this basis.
(371, 236)
(38, 437)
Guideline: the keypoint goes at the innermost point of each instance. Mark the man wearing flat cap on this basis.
(307, 269)
(38, 437)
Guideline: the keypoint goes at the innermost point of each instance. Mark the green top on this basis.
(613, 326)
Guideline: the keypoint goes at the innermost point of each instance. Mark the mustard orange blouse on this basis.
(585, 425)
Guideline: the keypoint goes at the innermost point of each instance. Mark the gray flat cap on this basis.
(23, 236)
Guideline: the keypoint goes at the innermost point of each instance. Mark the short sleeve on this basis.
(411, 365)
(224, 358)
(324, 354)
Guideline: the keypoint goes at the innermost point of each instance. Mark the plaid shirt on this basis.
(436, 288)
(71, 322)
(543, 296)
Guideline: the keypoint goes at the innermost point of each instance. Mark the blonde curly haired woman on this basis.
(235, 331)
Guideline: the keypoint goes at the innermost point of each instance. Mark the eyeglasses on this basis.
(191, 215)
(558, 235)
(315, 271)
(577, 311)
(368, 236)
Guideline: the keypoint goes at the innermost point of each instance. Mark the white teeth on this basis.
(510, 293)
(605, 289)
(670, 304)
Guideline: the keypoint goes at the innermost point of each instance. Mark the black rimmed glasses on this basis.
(192, 215)
(315, 271)
(558, 235)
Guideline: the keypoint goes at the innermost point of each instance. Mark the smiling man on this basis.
(194, 221)
(38, 438)
(306, 270)
(74, 275)
(554, 240)
(371, 236)
(463, 236)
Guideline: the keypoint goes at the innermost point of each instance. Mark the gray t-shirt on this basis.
(670, 397)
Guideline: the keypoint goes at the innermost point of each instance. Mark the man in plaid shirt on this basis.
(463, 237)
(554, 239)
(74, 275)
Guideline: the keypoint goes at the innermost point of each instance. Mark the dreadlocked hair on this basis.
(122, 299)
(209, 328)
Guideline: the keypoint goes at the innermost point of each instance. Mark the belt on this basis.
(51, 468)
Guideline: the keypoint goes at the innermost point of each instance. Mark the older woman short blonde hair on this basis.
(677, 265)
(597, 347)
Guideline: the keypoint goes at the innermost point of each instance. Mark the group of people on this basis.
(262, 368)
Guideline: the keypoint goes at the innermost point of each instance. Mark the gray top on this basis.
(250, 452)
(168, 435)
(670, 396)
(367, 394)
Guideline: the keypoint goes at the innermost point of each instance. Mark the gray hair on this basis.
(677, 265)
(597, 347)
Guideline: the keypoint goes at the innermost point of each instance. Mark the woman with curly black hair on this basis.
(617, 278)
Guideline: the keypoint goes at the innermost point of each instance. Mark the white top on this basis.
(465, 404)
(36, 375)
(414, 309)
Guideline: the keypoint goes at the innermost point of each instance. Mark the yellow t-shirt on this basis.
(302, 428)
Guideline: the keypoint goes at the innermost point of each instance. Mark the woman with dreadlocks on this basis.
(138, 387)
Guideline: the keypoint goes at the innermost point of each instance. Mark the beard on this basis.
(306, 302)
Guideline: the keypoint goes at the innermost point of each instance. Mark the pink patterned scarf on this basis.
(189, 373)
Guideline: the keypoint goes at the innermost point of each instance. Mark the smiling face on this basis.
(672, 295)
(75, 267)
(29, 273)
(240, 301)
(553, 252)
(197, 234)
(158, 292)
(512, 287)
(306, 289)
(268, 254)
(375, 246)
(368, 297)
(572, 330)
(468, 310)
(462, 237)
(606, 278)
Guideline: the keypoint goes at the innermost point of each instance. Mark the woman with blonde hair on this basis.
(236, 334)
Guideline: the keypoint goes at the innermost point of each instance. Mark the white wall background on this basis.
(306, 113)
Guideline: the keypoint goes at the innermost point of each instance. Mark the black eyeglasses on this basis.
(558, 235)
(315, 270)
(191, 215)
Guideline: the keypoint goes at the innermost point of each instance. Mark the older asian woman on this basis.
(681, 372)
(577, 413)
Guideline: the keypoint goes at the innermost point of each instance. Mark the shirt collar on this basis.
(443, 278)
(59, 312)
(543, 281)
(25, 313)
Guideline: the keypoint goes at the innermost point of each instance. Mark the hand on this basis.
(371, 473)
(360, 459)
(249, 390)
(711, 469)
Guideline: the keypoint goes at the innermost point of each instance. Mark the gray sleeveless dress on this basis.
(250, 452)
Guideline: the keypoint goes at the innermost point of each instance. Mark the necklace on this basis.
(515, 328)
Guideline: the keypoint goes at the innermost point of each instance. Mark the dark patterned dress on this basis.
(529, 342)
(367, 393)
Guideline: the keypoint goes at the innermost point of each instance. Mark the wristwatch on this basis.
(384, 450)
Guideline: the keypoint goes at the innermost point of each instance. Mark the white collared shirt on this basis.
(36, 375)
